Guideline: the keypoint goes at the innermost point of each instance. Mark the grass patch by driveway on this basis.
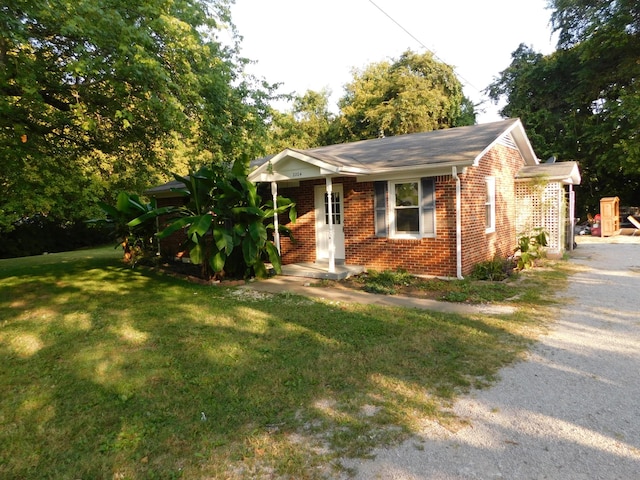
(109, 372)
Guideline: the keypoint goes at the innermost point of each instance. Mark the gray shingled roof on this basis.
(428, 148)
(439, 147)
(164, 188)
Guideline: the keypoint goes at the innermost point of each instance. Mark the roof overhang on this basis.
(429, 170)
(566, 173)
(165, 190)
(293, 165)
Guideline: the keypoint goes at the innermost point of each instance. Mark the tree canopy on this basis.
(582, 102)
(308, 124)
(97, 96)
(414, 93)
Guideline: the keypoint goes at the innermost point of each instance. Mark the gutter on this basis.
(454, 174)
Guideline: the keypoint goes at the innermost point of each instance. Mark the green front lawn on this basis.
(114, 373)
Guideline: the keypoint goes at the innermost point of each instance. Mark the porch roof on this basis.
(461, 146)
(564, 172)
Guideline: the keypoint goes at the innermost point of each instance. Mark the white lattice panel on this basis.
(541, 205)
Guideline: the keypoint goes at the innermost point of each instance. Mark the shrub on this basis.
(385, 282)
(493, 270)
(530, 248)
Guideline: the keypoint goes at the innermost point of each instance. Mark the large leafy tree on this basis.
(98, 95)
(308, 124)
(414, 93)
(581, 102)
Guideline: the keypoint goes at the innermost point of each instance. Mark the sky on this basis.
(316, 44)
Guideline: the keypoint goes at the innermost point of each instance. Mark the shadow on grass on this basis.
(112, 373)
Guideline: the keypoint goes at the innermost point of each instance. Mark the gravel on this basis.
(570, 411)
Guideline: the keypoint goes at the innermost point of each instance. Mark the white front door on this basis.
(322, 222)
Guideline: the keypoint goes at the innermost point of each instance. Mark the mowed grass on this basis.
(112, 373)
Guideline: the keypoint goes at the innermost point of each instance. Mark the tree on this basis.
(581, 102)
(580, 20)
(99, 94)
(414, 93)
(309, 124)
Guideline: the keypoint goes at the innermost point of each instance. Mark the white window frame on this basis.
(490, 204)
(391, 188)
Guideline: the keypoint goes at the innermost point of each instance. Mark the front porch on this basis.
(321, 270)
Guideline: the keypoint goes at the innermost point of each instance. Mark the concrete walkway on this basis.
(303, 286)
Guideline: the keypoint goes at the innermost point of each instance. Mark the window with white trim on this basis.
(490, 205)
(411, 208)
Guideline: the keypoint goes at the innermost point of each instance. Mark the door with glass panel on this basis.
(322, 221)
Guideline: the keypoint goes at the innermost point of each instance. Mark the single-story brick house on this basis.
(433, 203)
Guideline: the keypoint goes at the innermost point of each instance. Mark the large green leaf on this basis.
(197, 254)
(181, 191)
(174, 226)
(255, 211)
(293, 214)
(181, 179)
(122, 202)
(200, 226)
(153, 214)
(138, 205)
(258, 233)
(260, 269)
(109, 210)
(249, 251)
(252, 194)
(240, 167)
(223, 240)
(274, 257)
(218, 261)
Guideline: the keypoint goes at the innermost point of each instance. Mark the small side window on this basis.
(490, 205)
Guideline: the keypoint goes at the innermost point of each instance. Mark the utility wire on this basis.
(423, 45)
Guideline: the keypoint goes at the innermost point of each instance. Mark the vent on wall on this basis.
(507, 141)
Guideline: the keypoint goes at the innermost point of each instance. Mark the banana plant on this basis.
(226, 224)
(136, 241)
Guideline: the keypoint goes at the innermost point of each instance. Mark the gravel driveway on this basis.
(571, 411)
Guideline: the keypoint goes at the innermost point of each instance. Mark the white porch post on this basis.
(276, 233)
(572, 212)
(332, 247)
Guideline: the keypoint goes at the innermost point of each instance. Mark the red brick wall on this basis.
(424, 256)
(362, 247)
(429, 256)
(477, 246)
(303, 246)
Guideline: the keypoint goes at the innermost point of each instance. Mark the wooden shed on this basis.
(609, 216)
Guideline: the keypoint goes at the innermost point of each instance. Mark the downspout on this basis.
(454, 174)
(276, 232)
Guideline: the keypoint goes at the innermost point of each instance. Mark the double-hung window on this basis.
(410, 209)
